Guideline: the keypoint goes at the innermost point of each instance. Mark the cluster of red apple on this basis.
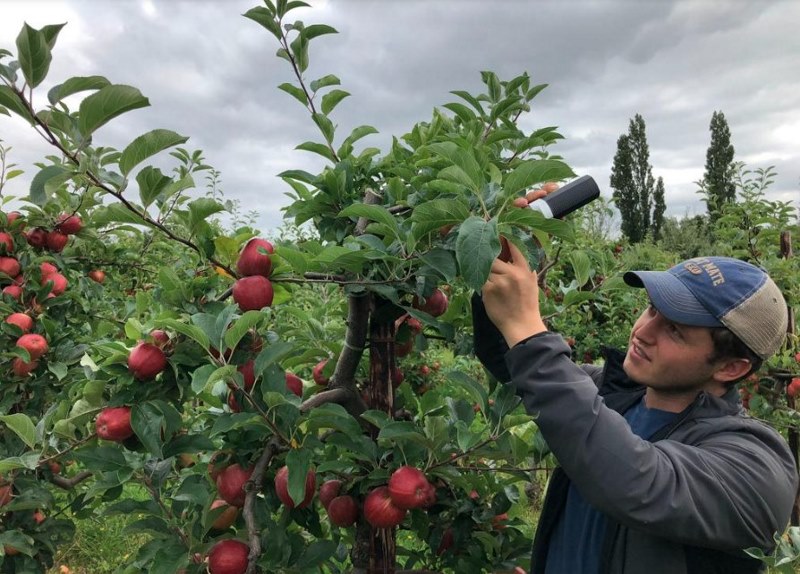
(384, 507)
(253, 291)
(6, 494)
(11, 272)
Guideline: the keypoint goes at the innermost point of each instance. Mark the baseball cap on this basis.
(720, 292)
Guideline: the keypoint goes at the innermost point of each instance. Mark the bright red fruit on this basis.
(60, 283)
(22, 369)
(9, 266)
(294, 384)
(797, 357)
(47, 269)
(97, 276)
(56, 241)
(499, 521)
(409, 488)
(146, 360)
(69, 224)
(228, 557)
(380, 511)
(253, 293)
(160, 338)
(343, 511)
(252, 260)
(435, 305)
(21, 320)
(282, 488)
(230, 484)
(794, 387)
(316, 373)
(7, 242)
(36, 345)
(13, 291)
(328, 491)
(114, 423)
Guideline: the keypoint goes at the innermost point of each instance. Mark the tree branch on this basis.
(69, 483)
(252, 487)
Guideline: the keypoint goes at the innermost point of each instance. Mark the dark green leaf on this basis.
(10, 100)
(22, 426)
(318, 148)
(106, 104)
(200, 209)
(38, 194)
(147, 145)
(240, 326)
(535, 171)
(264, 17)
(316, 553)
(437, 213)
(464, 160)
(34, 55)
(323, 82)
(272, 354)
(315, 30)
(477, 245)
(151, 183)
(372, 213)
(325, 126)
(295, 92)
(299, 463)
(333, 416)
(102, 459)
(148, 423)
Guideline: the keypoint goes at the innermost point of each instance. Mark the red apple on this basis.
(435, 305)
(380, 511)
(60, 283)
(248, 373)
(499, 521)
(794, 387)
(218, 462)
(253, 261)
(6, 242)
(13, 216)
(37, 238)
(328, 491)
(69, 224)
(97, 275)
(21, 320)
(424, 370)
(343, 511)
(47, 269)
(114, 423)
(228, 557)
(397, 376)
(317, 375)
(797, 357)
(230, 484)
(39, 516)
(226, 517)
(294, 384)
(160, 338)
(409, 488)
(22, 369)
(56, 241)
(282, 488)
(36, 345)
(6, 492)
(253, 293)
(146, 360)
(9, 266)
(13, 291)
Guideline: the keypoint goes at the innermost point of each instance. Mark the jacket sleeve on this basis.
(490, 345)
(730, 487)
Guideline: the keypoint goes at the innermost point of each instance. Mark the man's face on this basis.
(669, 357)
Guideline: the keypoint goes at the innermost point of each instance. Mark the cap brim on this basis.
(672, 298)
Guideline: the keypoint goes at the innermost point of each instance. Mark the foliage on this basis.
(718, 184)
(634, 186)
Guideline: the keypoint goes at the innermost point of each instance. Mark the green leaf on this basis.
(325, 126)
(437, 213)
(200, 209)
(264, 17)
(333, 416)
(191, 331)
(535, 171)
(319, 149)
(106, 104)
(76, 85)
(34, 55)
(477, 245)
(531, 219)
(102, 458)
(151, 183)
(470, 99)
(10, 100)
(147, 145)
(200, 378)
(372, 213)
(148, 423)
(347, 145)
(272, 354)
(315, 30)
(22, 426)
(240, 327)
(316, 553)
(580, 265)
(402, 430)
(473, 387)
(462, 159)
(323, 82)
(295, 92)
(462, 111)
(38, 194)
(299, 463)
(331, 99)
(441, 261)
(50, 33)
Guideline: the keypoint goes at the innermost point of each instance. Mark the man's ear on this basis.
(731, 370)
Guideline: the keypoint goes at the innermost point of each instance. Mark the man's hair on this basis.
(729, 346)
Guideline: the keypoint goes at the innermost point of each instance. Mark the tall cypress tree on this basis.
(632, 181)
(659, 207)
(718, 180)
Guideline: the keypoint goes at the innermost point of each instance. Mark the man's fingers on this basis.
(546, 188)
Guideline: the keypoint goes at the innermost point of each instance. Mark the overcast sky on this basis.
(211, 74)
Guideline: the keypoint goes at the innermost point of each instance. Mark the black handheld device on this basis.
(567, 199)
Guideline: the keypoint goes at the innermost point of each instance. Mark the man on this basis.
(660, 471)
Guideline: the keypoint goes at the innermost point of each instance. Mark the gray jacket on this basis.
(709, 485)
